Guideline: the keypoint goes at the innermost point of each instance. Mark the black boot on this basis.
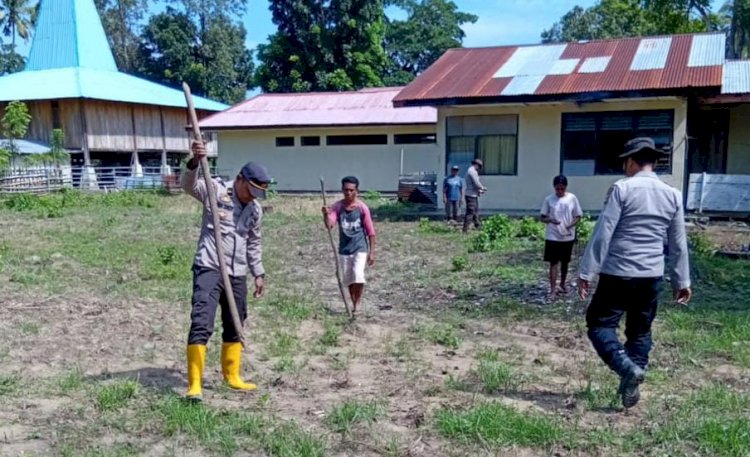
(631, 377)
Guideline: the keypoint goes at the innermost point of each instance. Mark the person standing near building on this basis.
(474, 189)
(453, 194)
(240, 214)
(561, 211)
(626, 250)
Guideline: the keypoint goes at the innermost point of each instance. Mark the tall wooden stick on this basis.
(335, 253)
(211, 190)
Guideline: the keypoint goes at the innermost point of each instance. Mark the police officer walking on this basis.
(626, 250)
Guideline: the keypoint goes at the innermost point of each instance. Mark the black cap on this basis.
(258, 177)
(454, 167)
(642, 145)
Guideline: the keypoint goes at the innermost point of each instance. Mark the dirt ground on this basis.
(73, 324)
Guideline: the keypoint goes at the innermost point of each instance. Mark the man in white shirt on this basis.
(561, 211)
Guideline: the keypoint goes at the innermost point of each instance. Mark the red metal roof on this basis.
(360, 108)
(554, 70)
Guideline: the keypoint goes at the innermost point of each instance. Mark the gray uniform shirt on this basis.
(240, 228)
(473, 185)
(628, 240)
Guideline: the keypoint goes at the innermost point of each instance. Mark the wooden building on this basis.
(109, 118)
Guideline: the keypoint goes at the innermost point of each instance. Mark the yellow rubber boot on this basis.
(230, 366)
(196, 356)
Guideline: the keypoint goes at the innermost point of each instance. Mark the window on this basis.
(356, 140)
(494, 139)
(284, 141)
(592, 142)
(415, 138)
(310, 141)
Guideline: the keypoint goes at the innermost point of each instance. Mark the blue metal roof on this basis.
(95, 84)
(69, 33)
(70, 58)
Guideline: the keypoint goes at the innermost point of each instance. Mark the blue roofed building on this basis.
(109, 118)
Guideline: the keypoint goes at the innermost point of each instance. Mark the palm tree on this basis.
(16, 18)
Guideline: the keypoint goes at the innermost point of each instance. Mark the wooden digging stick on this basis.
(211, 190)
(335, 254)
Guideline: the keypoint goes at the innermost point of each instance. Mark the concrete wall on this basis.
(299, 168)
(738, 148)
(539, 146)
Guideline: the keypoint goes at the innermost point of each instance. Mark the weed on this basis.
(71, 381)
(428, 226)
(499, 425)
(498, 227)
(531, 227)
(701, 244)
(30, 328)
(9, 384)
(497, 376)
(459, 262)
(331, 333)
(585, 229)
(283, 344)
(289, 440)
(116, 395)
(442, 334)
(342, 418)
(371, 195)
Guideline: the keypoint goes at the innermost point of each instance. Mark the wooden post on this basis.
(85, 130)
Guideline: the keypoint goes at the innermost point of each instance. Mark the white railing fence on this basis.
(40, 180)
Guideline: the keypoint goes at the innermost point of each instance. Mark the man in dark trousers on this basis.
(240, 214)
(474, 189)
(626, 250)
(453, 194)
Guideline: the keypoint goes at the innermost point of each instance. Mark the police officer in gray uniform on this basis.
(627, 252)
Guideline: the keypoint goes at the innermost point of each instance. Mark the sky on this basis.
(500, 21)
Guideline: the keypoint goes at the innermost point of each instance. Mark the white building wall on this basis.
(299, 168)
(539, 158)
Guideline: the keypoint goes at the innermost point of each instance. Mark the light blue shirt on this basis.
(452, 185)
(628, 240)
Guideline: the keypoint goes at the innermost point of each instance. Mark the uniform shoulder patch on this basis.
(609, 193)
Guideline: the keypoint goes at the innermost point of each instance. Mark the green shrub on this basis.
(459, 263)
(701, 244)
(584, 229)
(531, 227)
(499, 227)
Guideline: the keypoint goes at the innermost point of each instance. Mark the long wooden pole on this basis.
(211, 190)
(335, 254)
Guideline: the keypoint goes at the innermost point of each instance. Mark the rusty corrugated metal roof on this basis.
(363, 107)
(621, 65)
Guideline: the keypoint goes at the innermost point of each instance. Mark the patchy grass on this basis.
(443, 334)
(116, 395)
(499, 425)
(343, 418)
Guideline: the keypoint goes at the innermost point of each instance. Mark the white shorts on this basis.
(353, 267)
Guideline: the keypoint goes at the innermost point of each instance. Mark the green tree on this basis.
(336, 45)
(736, 17)
(215, 64)
(15, 124)
(413, 44)
(625, 18)
(10, 61)
(56, 154)
(16, 17)
(121, 20)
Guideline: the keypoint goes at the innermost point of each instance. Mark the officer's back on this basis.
(647, 209)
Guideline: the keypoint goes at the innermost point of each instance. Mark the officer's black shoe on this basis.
(630, 379)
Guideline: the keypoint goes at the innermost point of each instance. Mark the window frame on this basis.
(414, 136)
(380, 136)
(476, 140)
(598, 117)
(280, 144)
(308, 137)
